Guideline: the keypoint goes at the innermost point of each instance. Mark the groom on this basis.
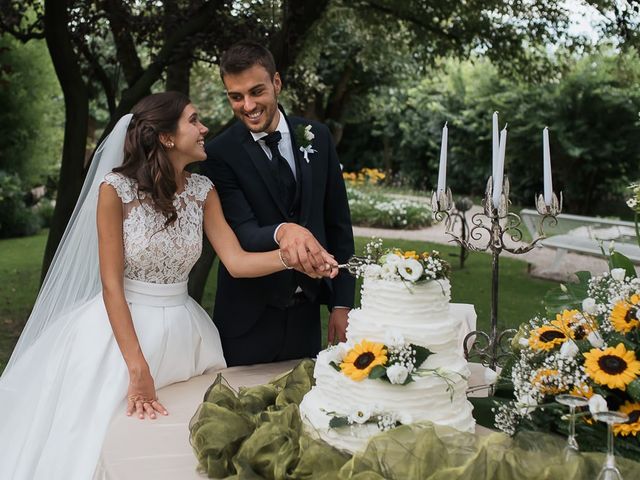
(281, 186)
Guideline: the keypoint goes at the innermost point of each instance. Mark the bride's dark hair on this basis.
(145, 158)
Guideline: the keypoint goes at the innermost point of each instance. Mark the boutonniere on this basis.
(304, 136)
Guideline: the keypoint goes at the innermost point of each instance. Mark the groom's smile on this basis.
(253, 96)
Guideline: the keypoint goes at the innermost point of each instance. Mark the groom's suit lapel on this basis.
(260, 161)
(304, 171)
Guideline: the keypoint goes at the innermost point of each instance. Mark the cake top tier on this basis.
(402, 266)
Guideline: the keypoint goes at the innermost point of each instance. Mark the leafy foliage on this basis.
(31, 119)
(16, 219)
(597, 96)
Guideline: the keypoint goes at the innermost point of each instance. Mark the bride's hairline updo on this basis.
(145, 158)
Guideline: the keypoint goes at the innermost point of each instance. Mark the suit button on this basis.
(292, 213)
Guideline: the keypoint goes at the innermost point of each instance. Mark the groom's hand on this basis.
(302, 250)
(337, 330)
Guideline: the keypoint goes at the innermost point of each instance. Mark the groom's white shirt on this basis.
(285, 146)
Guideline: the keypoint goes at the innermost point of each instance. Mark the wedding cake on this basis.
(402, 361)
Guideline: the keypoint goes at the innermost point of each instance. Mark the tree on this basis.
(30, 121)
(146, 42)
(114, 52)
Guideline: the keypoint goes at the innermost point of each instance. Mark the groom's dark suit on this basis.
(264, 319)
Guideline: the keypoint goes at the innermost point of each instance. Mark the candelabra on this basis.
(488, 231)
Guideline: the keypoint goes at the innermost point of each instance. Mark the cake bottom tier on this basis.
(433, 398)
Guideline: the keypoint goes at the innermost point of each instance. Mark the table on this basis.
(159, 449)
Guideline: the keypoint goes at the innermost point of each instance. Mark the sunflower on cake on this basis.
(402, 362)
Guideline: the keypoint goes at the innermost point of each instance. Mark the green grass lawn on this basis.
(520, 295)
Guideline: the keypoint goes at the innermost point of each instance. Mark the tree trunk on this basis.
(178, 76)
(76, 101)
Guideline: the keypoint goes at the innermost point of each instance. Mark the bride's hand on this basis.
(328, 266)
(141, 395)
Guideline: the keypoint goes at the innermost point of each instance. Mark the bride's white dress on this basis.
(56, 402)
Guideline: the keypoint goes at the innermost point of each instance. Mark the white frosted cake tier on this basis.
(418, 312)
(427, 398)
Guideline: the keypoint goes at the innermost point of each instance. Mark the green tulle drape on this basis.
(258, 434)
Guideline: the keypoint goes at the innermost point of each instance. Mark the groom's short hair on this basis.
(243, 55)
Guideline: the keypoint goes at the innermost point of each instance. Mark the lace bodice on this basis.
(153, 253)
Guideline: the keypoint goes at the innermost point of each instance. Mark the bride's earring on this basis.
(169, 145)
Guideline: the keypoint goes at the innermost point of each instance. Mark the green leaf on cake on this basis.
(422, 354)
(337, 422)
(377, 372)
(335, 366)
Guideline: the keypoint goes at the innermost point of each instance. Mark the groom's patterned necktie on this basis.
(281, 168)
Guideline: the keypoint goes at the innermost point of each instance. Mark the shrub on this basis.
(376, 210)
(16, 219)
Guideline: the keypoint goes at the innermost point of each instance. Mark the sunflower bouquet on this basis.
(407, 266)
(591, 350)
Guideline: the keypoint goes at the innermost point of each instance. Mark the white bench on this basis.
(582, 234)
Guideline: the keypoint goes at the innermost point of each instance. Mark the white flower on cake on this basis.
(410, 270)
(397, 374)
(360, 415)
(389, 272)
(597, 404)
(392, 259)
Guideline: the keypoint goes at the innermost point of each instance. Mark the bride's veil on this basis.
(74, 275)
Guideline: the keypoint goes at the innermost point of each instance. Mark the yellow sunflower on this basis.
(359, 361)
(624, 316)
(546, 381)
(573, 324)
(546, 337)
(631, 426)
(613, 367)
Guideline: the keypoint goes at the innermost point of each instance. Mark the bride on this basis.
(113, 320)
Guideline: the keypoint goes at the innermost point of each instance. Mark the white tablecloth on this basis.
(159, 449)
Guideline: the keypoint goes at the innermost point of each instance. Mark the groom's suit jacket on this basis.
(239, 168)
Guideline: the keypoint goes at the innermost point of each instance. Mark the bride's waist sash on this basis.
(155, 294)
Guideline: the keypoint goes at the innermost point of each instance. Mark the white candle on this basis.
(497, 181)
(546, 162)
(442, 172)
(494, 146)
